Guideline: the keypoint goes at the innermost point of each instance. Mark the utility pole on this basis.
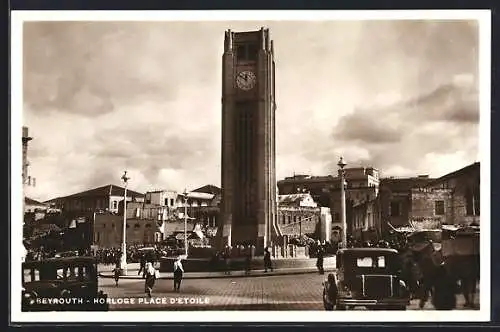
(123, 260)
(343, 220)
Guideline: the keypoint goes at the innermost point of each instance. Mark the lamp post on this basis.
(123, 258)
(185, 223)
(341, 164)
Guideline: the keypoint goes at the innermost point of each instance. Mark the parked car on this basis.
(62, 284)
(366, 277)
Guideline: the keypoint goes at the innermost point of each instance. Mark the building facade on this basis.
(430, 208)
(249, 207)
(464, 185)
(159, 216)
(299, 214)
(108, 230)
(105, 198)
(396, 200)
(361, 192)
(365, 214)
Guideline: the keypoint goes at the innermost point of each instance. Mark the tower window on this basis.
(247, 52)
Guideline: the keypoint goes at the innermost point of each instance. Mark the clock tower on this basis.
(249, 194)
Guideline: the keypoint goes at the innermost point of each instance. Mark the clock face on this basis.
(246, 80)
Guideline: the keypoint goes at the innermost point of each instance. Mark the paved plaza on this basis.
(286, 292)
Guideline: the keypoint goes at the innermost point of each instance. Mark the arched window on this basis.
(137, 226)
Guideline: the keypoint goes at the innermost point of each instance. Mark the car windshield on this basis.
(371, 261)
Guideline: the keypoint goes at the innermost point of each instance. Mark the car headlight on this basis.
(345, 291)
(402, 283)
(30, 297)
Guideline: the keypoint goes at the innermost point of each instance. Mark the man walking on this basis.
(267, 260)
(142, 267)
(116, 273)
(248, 259)
(178, 273)
(319, 260)
(445, 289)
(227, 260)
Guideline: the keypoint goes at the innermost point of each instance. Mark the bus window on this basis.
(31, 275)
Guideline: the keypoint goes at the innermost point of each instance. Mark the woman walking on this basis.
(178, 272)
(151, 275)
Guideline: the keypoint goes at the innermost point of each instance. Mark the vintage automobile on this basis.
(365, 277)
(62, 284)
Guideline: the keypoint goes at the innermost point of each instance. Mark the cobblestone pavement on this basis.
(290, 292)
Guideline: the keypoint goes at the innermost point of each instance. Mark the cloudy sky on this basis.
(102, 97)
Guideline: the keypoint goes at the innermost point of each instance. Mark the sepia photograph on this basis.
(324, 166)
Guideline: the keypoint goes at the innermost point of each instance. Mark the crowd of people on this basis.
(109, 256)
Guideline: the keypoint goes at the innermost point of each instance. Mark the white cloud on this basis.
(146, 96)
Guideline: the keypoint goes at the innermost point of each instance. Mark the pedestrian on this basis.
(116, 273)
(445, 289)
(142, 267)
(178, 273)
(227, 260)
(267, 260)
(319, 259)
(151, 275)
(248, 260)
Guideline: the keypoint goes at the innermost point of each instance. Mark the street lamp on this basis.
(185, 223)
(341, 164)
(123, 258)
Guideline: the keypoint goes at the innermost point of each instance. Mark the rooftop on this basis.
(30, 201)
(404, 184)
(107, 190)
(464, 170)
(208, 189)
